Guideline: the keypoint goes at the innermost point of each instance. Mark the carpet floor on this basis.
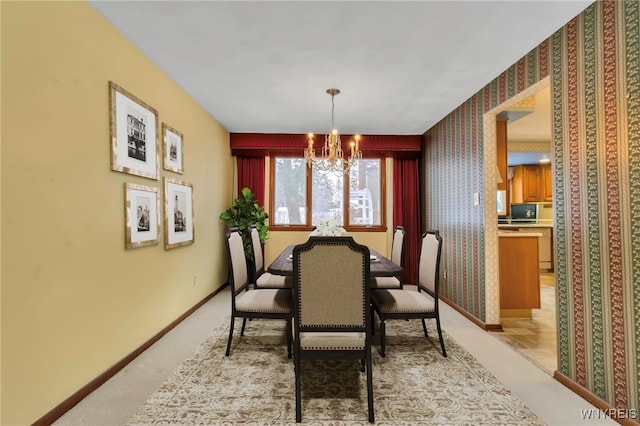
(413, 385)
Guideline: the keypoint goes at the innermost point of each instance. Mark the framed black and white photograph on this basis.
(172, 149)
(178, 213)
(134, 134)
(142, 216)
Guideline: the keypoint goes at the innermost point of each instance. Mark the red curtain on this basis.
(251, 175)
(406, 212)
(287, 145)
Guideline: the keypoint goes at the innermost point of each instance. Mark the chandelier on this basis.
(333, 159)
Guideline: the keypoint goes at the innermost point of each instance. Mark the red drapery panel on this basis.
(272, 144)
(406, 212)
(251, 175)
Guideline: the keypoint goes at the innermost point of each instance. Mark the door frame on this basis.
(491, 274)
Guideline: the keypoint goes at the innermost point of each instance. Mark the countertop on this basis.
(518, 234)
(525, 225)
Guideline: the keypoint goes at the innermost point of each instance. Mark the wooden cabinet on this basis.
(501, 152)
(519, 274)
(526, 186)
(531, 183)
(547, 182)
(545, 247)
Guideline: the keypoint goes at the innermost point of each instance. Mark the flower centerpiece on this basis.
(328, 228)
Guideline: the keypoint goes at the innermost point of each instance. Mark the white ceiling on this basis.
(264, 66)
(534, 129)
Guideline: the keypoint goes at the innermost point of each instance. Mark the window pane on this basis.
(327, 190)
(364, 193)
(290, 191)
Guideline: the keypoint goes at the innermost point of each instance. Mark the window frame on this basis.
(382, 227)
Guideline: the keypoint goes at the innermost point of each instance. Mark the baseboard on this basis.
(619, 415)
(83, 392)
(467, 315)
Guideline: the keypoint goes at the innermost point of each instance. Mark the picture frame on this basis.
(178, 213)
(134, 134)
(172, 149)
(141, 216)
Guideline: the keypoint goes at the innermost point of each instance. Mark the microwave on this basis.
(524, 213)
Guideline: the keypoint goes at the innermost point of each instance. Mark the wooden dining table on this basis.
(379, 265)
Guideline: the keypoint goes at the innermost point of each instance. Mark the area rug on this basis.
(413, 385)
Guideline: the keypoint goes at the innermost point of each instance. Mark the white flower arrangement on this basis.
(328, 228)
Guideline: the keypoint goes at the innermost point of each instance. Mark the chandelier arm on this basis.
(333, 158)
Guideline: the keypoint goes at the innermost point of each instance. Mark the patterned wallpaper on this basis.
(594, 64)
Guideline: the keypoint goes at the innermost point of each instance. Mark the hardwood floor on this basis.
(535, 337)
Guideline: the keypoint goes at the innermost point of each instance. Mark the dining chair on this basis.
(247, 302)
(397, 248)
(331, 306)
(410, 304)
(265, 279)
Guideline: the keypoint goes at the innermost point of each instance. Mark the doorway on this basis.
(534, 337)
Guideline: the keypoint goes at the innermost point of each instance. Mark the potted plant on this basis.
(245, 213)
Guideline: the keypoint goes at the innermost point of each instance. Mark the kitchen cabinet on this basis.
(532, 183)
(518, 273)
(545, 247)
(525, 186)
(545, 241)
(547, 182)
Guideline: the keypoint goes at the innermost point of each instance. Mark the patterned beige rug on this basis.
(413, 385)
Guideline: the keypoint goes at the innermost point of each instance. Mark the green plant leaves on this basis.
(244, 213)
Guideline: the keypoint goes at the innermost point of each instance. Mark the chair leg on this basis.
(444, 352)
(424, 327)
(373, 324)
(244, 322)
(230, 336)
(289, 332)
(382, 332)
(296, 367)
(370, 387)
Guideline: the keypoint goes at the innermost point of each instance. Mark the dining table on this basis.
(379, 266)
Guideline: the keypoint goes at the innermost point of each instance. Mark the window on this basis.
(293, 183)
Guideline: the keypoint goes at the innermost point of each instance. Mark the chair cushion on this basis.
(268, 280)
(403, 301)
(266, 300)
(328, 341)
(384, 282)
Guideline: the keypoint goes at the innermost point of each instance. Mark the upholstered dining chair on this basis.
(397, 248)
(265, 279)
(410, 304)
(253, 303)
(331, 306)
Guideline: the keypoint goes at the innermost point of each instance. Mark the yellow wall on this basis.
(74, 301)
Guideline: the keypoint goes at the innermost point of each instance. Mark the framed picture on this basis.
(172, 149)
(134, 134)
(178, 213)
(141, 216)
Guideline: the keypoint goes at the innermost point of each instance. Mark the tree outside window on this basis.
(294, 183)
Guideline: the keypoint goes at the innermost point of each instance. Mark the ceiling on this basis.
(264, 66)
(530, 132)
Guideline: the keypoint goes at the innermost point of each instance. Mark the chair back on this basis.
(237, 261)
(257, 251)
(330, 285)
(429, 273)
(397, 245)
